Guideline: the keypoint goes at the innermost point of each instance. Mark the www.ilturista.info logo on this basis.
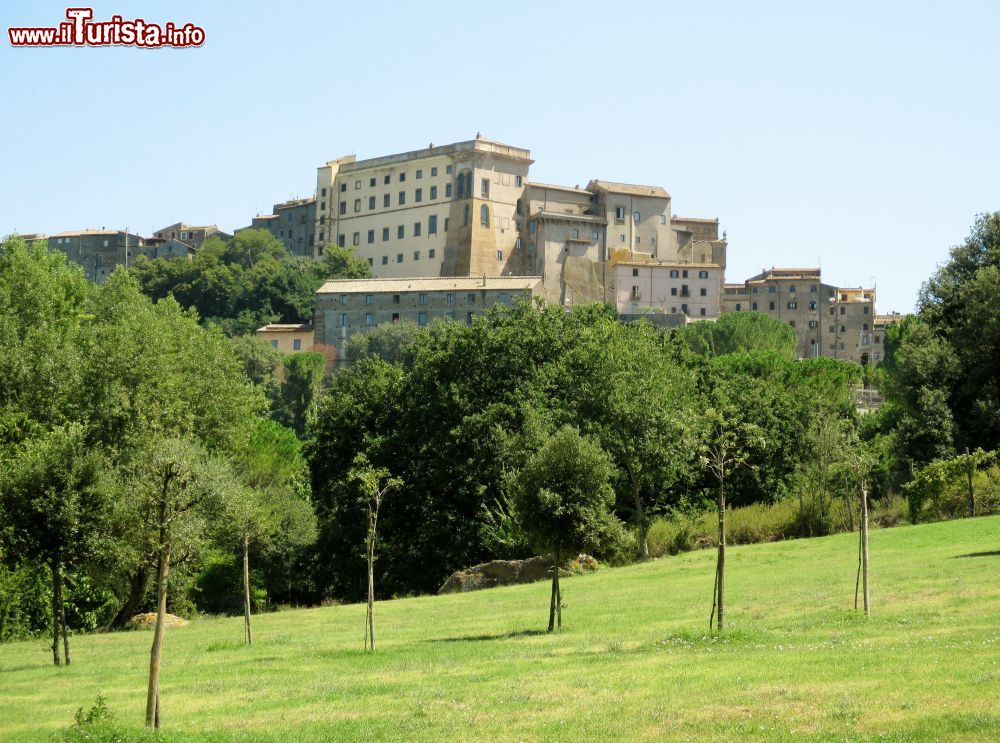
(80, 30)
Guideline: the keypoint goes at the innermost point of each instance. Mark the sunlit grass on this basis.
(635, 659)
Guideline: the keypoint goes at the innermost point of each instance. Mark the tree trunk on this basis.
(555, 590)
(720, 609)
(864, 550)
(55, 614)
(163, 572)
(138, 583)
(857, 578)
(246, 587)
(802, 524)
(62, 617)
(558, 593)
(370, 618)
(972, 492)
(640, 517)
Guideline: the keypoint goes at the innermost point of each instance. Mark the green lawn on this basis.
(634, 661)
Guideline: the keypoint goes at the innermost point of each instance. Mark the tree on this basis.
(374, 484)
(860, 459)
(268, 511)
(303, 379)
(640, 404)
(564, 498)
(739, 332)
(58, 510)
(726, 450)
(174, 482)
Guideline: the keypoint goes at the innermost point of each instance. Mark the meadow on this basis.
(634, 661)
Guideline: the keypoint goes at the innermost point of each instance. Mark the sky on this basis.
(860, 137)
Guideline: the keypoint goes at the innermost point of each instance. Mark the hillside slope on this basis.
(634, 661)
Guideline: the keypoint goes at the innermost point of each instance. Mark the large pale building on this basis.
(192, 235)
(98, 251)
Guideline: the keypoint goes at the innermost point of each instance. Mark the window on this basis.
(434, 171)
(461, 185)
(517, 244)
(402, 177)
(470, 298)
(369, 319)
(385, 260)
(402, 198)
(422, 299)
(652, 241)
(486, 188)
(878, 339)
(866, 309)
(703, 274)
(357, 205)
(575, 233)
(674, 273)
(864, 326)
(754, 306)
(420, 174)
(504, 298)
(684, 308)
(812, 304)
(422, 318)
(343, 187)
(356, 240)
(673, 291)
(499, 255)
(343, 319)
(738, 307)
(395, 317)
(532, 226)
(297, 344)
(386, 200)
(793, 305)
(399, 257)
(684, 274)
(843, 328)
(357, 185)
(323, 192)
(341, 240)
(772, 289)
(448, 169)
(431, 252)
(791, 323)
(621, 238)
(831, 328)
(447, 190)
(449, 298)
(635, 271)
(434, 192)
(385, 234)
(684, 291)
(369, 299)
(635, 217)
(484, 216)
(371, 202)
(371, 236)
(416, 229)
(843, 310)
(638, 240)
(371, 183)
(400, 232)
(663, 219)
(343, 207)
(418, 195)
(322, 220)
(813, 288)
(432, 224)
(771, 306)
(595, 235)
(619, 214)
(274, 344)
(704, 292)
(395, 299)
(387, 180)
(446, 220)
(465, 216)
(791, 289)
(518, 181)
(703, 312)
(416, 255)
(813, 324)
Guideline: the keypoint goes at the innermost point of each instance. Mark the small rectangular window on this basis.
(371, 183)
(635, 271)
(663, 219)
(416, 255)
(369, 299)
(343, 207)
(297, 344)
(395, 299)
(274, 344)
(371, 202)
(422, 318)
(470, 298)
(341, 240)
(371, 236)
(357, 185)
(387, 180)
(416, 229)
(385, 260)
(771, 306)
(422, 298)
(518, 181)
(447, 190)
(399, 257)
(431, 252)
(703, 274)
(386, 200)
(343, 319)
(369, 319)
(449, 298)
(635, 217)
(418, 195)
(432, 224)
(400, 232)
(385, 234)
(448, 169)
(343, 187)
(402, 177)
(356, 239)
(420, 174)
(357, 205)
(704, 292)
(486, 188)
(323, 192)
(434, 172)
(499, 255)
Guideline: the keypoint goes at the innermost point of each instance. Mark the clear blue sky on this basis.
(860, 135)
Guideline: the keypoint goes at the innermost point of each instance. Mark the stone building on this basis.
(348, 306)
(288, 337)
(693, 290)
(293, 223)
(190, 234)
(98, 251)
(439, 211)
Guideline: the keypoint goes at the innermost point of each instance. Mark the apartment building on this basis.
(98, 251)
(293, 223)
(190, 234)
(692, 290)
(288, 337)
(828, 321)
(439, 211)
(348, 306)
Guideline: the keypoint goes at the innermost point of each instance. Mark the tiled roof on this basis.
(632, 189)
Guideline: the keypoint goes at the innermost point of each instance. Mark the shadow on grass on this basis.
(513, 634)
(994, 553)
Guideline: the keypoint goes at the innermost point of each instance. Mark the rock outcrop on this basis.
(511, 572)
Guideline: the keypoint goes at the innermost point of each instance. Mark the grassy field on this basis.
(634, 661)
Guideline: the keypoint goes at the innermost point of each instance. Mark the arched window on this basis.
(484, 215)
(460, 188)
(465, 216)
